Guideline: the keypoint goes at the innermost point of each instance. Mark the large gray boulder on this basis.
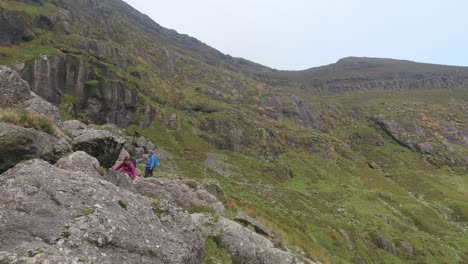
(37, 105)
(19, 144)
(100, 144)
(243, 245)
(13, 89)
(120, 179)
(179, 193)
(72, 125)
(80, 162)
(50, 215)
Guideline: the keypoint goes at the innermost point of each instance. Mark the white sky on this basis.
(299, 34)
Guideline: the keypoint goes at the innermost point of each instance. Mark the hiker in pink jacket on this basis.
(127, 167)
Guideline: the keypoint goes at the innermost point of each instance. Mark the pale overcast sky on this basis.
(299, 34)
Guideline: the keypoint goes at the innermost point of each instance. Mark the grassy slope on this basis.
(325, 195)
(331, 188)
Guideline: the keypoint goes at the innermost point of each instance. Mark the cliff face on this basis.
(52, 77)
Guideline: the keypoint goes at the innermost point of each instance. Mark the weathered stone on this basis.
(373, 165)
(71, 125)
(120, 179)
(408, 248)
(385, 244)
(37, 105)
(13, 89)
(123, 154)
(52, 76)
(67, 216)
(243, 245)
(179, 193)
(345, 235)
(80, 162)
(99, 144)
(141, 142)
(113, 129)
(139, 153)
(150, 146)
(257, 226)
(214, 188)
(19, 143)
(13, 29)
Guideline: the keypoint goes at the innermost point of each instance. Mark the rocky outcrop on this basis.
(408, 248)
(257, 226)
(37, 105)
(80, 162)
(104, 102)
(385, 244)
(120, 179)
(13, 29)
(50, 215)
(100, 144)
(291, 107)
(243, 245)
(433, 146)
(179, 193)
(19, 143)
(214, 188)
(13, 89)
(72, 125)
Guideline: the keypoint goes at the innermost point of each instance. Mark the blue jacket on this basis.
(152, 161)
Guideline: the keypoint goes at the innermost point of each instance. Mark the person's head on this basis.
(127, 160)
(150, 152)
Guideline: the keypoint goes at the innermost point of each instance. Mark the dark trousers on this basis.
(149, 172)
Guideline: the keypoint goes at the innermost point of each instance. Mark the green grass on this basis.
(26, 51)
(22, 118)
(214, 254)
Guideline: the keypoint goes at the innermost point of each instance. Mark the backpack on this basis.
(155, 161)
(134, 161)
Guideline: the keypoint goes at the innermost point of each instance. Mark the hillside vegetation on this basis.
(361, 161)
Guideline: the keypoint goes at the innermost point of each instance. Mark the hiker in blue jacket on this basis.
(151, 162)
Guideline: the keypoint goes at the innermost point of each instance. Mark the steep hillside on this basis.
(360, 161)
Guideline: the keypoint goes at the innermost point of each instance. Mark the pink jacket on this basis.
(130, 169)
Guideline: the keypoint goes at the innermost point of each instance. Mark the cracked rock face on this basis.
(52, 215)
